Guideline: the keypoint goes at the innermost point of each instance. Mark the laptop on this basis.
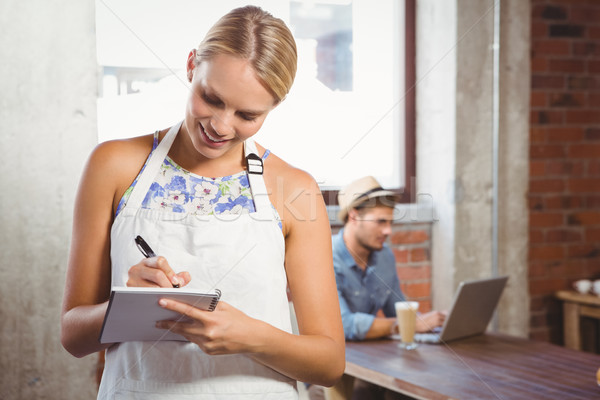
(472, 309)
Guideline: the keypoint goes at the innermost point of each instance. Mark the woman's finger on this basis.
(141, 275)
(184, 277)
(182, 308)
(161, 264)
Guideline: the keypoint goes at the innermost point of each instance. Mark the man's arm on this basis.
(382, 327)
(360, 326)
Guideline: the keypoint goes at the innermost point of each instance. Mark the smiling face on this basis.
(227, 105)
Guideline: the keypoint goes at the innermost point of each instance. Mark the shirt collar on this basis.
(342, 251)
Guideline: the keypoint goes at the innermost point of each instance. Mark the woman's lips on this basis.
(210, 139)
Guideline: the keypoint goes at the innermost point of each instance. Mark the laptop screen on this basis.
(472, 309)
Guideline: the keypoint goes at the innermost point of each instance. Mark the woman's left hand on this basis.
(222, 331)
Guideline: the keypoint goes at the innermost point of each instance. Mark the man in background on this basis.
(365, 266)
(365, 271)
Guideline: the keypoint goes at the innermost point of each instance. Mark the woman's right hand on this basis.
(156, 272)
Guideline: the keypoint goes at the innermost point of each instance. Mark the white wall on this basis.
(48, 127)
(436, 133)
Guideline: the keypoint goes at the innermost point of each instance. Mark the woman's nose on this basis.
(222, 123)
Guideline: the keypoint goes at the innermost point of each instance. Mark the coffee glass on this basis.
(406, 313)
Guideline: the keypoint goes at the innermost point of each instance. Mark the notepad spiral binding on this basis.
(215, 301)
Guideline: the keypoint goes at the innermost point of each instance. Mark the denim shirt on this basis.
(363, 293)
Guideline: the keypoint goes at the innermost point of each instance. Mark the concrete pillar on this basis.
(473, 175)
(48, 128)
(513, 214)
(455, 146)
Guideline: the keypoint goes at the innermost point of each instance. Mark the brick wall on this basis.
(564, 189)
(411, 243)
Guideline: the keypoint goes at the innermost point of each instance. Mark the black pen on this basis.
(147, 251)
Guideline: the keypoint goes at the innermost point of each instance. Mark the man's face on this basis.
(373, 226)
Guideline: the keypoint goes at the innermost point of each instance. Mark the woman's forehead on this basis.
(234, 80)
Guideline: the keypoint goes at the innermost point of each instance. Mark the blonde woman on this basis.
(251, 230)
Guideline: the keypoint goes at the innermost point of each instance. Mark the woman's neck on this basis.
(185, 155)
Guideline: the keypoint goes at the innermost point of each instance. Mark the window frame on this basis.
(405, 194)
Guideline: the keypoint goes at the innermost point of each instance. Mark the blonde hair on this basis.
(265, 41)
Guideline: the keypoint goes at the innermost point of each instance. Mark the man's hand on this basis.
(426, 322)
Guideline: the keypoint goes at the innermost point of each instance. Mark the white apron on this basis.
(241, 255)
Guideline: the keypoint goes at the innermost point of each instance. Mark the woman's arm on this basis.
(111, 167)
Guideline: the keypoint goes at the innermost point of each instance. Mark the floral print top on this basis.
(177, 190)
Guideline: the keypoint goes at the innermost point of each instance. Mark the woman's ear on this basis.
(191, 64)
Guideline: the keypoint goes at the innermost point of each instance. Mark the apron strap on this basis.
(147, 177)
(255, 171)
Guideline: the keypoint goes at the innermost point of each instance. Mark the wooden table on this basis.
(483, 367)
(575, 306)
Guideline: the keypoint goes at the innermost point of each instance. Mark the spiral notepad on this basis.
(133, 312)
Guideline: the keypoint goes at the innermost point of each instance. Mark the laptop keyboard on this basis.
(427, 337)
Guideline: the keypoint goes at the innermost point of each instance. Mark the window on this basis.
(344, 117)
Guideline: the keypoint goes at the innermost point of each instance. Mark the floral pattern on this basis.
(177, 190)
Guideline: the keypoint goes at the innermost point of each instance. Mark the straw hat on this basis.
(359, 192)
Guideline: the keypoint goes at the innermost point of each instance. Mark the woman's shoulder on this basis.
(124, 147)
(294, 193)
(114, 164)
(121, 154)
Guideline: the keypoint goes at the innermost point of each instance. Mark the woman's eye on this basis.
(215, 101)
(247, 117)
